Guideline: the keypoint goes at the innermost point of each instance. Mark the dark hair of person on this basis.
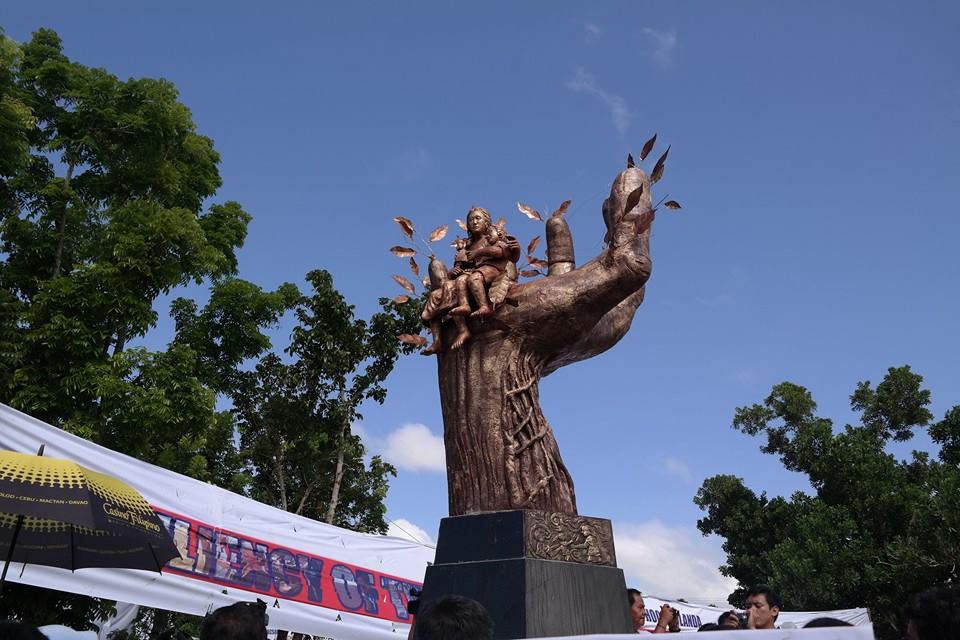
(935, 613)
(238, 621)
(711, 626)
(10, 630)
(453, 617)
(726, 615)
(632, 595)
(773, 598)
(826, 622)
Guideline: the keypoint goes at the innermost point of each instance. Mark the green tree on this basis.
(295, 417)
(877, 528)
(104, 207)
(102, 191)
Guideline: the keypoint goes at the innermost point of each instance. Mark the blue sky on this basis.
(813, 149)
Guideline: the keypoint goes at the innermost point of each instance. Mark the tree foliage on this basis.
(105, 206)
(295, 416)
(876, 529)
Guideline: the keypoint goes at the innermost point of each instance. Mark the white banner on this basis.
(692, 615)
(316, 579)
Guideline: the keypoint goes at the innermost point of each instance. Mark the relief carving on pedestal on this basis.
(570, 538)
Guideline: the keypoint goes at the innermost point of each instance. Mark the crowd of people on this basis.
(933, 614)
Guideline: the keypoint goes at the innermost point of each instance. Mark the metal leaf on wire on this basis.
(401, 299)
(405, 225)
(530, 273)
(529, 211)
(403, 252)
(647, 147)
(461, 224)
(537, 262)
(407, 338)
(533, 245)
(672, 204)
(630, 163)
(438, 233)
(406, 284)
(414, 267)
(657, 172)
(562, 209)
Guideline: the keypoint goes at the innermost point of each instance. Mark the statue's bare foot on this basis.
(432, 349)
(462, 310)
(462, 337)
(484, 311)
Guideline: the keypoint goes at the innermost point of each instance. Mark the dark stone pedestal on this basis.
(538, 574)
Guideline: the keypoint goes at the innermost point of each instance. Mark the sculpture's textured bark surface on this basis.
(501, 452)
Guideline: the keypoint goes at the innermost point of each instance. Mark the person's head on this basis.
(453, 618)
(934, 613)
(729, 620)
(478, 220)
(711, 626)
(10, 630)
(238, 621)
(826, 622)
(763, 606)
(638, 610)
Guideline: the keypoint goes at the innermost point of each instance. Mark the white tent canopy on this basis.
(316, 579)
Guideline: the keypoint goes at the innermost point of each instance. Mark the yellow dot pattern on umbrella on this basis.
(8, 521)
(116, 491)
(36, 470)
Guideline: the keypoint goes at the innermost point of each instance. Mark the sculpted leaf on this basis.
(537, 262)
(562, 209)
(438, 233)
(657, 172)
(414, 267)
(407, 338)
(630, 163)
(401, 299)
(461, 224)
(633, 199)
(403, 252)
(529, 211)
(672, 204)
(533, 245)
(405, 225)
(406, 284)
(530, 273)
(647, 147)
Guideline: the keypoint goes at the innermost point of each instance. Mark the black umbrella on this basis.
(56, 513)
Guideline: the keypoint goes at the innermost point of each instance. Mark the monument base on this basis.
(539, 574)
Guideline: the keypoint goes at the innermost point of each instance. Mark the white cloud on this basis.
(662, 44)
(671, 562)
(405, 529)
(591, 32)
(411, 447)
(583, 82)
(677, 468)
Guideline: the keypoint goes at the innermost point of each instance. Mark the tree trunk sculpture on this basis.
(501, 452)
